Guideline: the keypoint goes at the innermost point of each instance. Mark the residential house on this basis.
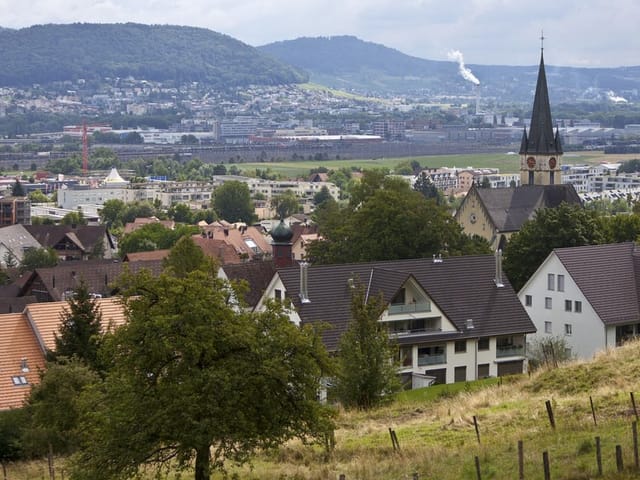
(454, 319)
(25, 339)
(14, 241)
(57, 283)
(248, 242)
(75, 242)
(586, 295)
(15, 210)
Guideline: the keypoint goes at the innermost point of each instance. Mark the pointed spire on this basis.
(541, 138)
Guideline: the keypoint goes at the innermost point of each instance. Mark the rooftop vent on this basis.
(437, 259)
(304, 293)
(469, 324)
(498, 279)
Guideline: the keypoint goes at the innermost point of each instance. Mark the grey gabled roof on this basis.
(462, 287)
(510, 207)
(607, 275)
(541, 138)
(16, 238)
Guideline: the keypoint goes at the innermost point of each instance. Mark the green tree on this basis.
(186, 257)
(74, 218)
(621, 228)
(385, 220)
(18, 190)
(232, 202)
(427, 188)
(153, 236)
(37, 196)
(285, 204)
(112, 213)
(181, 213)
(11, 432)
(193, 381)
(322, 196)
(367, 373)
(563, 226)
(53, 409)
(38, 258)
(80, 329)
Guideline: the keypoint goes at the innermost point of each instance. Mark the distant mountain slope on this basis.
(47, 53)
(348, 62)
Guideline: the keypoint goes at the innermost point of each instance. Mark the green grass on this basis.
(506, 163)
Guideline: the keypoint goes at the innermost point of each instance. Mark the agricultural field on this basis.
(506, 162)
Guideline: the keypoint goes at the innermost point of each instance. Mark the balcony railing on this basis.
(431, 359)
(510, 351)
(415, 331)
(398, 308)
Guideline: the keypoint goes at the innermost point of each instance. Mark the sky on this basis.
(580, 33)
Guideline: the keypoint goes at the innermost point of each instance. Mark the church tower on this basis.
(541, 149)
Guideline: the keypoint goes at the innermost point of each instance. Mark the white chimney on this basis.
(469, 323)
(498, 279)
(304, 293)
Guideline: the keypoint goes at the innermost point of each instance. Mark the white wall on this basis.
(588, 332)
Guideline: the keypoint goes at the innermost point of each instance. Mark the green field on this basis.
(503, 161)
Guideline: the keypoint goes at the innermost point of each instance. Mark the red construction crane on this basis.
(85, 150)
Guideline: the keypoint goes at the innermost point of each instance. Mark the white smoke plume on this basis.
(456, 56)
(615, 99)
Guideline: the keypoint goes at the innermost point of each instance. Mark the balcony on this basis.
(510, 351)
(424, 360)
(399, 308)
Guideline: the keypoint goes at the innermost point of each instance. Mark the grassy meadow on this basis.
(437, 437)
(507, 163)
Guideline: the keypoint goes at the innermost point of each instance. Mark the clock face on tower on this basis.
(531, 162)
(552, 163)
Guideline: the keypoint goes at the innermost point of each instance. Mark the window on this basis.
(561, 283)
(568, 329)
(460, 346)
(20, 380)
(483, 370)
(483, 343)
(547, 327)
(547, 303)
(577, 306)
(460, 374)
(567, 305)
(278, 294)
(528, 300)
(551, 281)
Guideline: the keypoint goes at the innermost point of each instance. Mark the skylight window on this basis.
(19, 380)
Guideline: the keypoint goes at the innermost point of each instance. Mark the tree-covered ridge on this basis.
(48, 53)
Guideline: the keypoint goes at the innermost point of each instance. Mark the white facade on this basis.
(558, 308)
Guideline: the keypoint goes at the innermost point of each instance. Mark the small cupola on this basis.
(282, 233)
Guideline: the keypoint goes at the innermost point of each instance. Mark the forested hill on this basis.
(348, 62)
(48, 53)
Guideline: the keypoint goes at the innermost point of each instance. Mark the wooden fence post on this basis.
(520, 460)
(478, 468)
(545, 464)
(633, 404)
(634, 433)
(593, 411)
(552, 420)
(619, 463)
(342, 477)
(475, 424)
(599, 456)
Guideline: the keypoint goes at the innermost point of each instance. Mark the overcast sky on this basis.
(499, 32)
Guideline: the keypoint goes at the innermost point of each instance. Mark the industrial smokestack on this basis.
(456, 56)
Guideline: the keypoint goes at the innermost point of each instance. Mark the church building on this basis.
(496, 213)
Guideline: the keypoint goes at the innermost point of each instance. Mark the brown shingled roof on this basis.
(257, 274)
(462, 287)
(608, 276)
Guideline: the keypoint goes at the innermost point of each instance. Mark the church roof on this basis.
(541, 139)
(509, 208)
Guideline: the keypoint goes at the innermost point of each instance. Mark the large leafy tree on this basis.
(154, 236)
(387, 220)
(38, 258)
(563, 226)
(194, 381)
(80, 329)
(232, 202)
(112, 212)
(367, 373)
(285, 204)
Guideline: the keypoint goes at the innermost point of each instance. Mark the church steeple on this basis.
(541, 149)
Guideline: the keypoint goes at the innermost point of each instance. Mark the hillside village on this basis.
(453, 314)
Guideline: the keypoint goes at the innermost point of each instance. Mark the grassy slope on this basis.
(506, 163)
(438, 439)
